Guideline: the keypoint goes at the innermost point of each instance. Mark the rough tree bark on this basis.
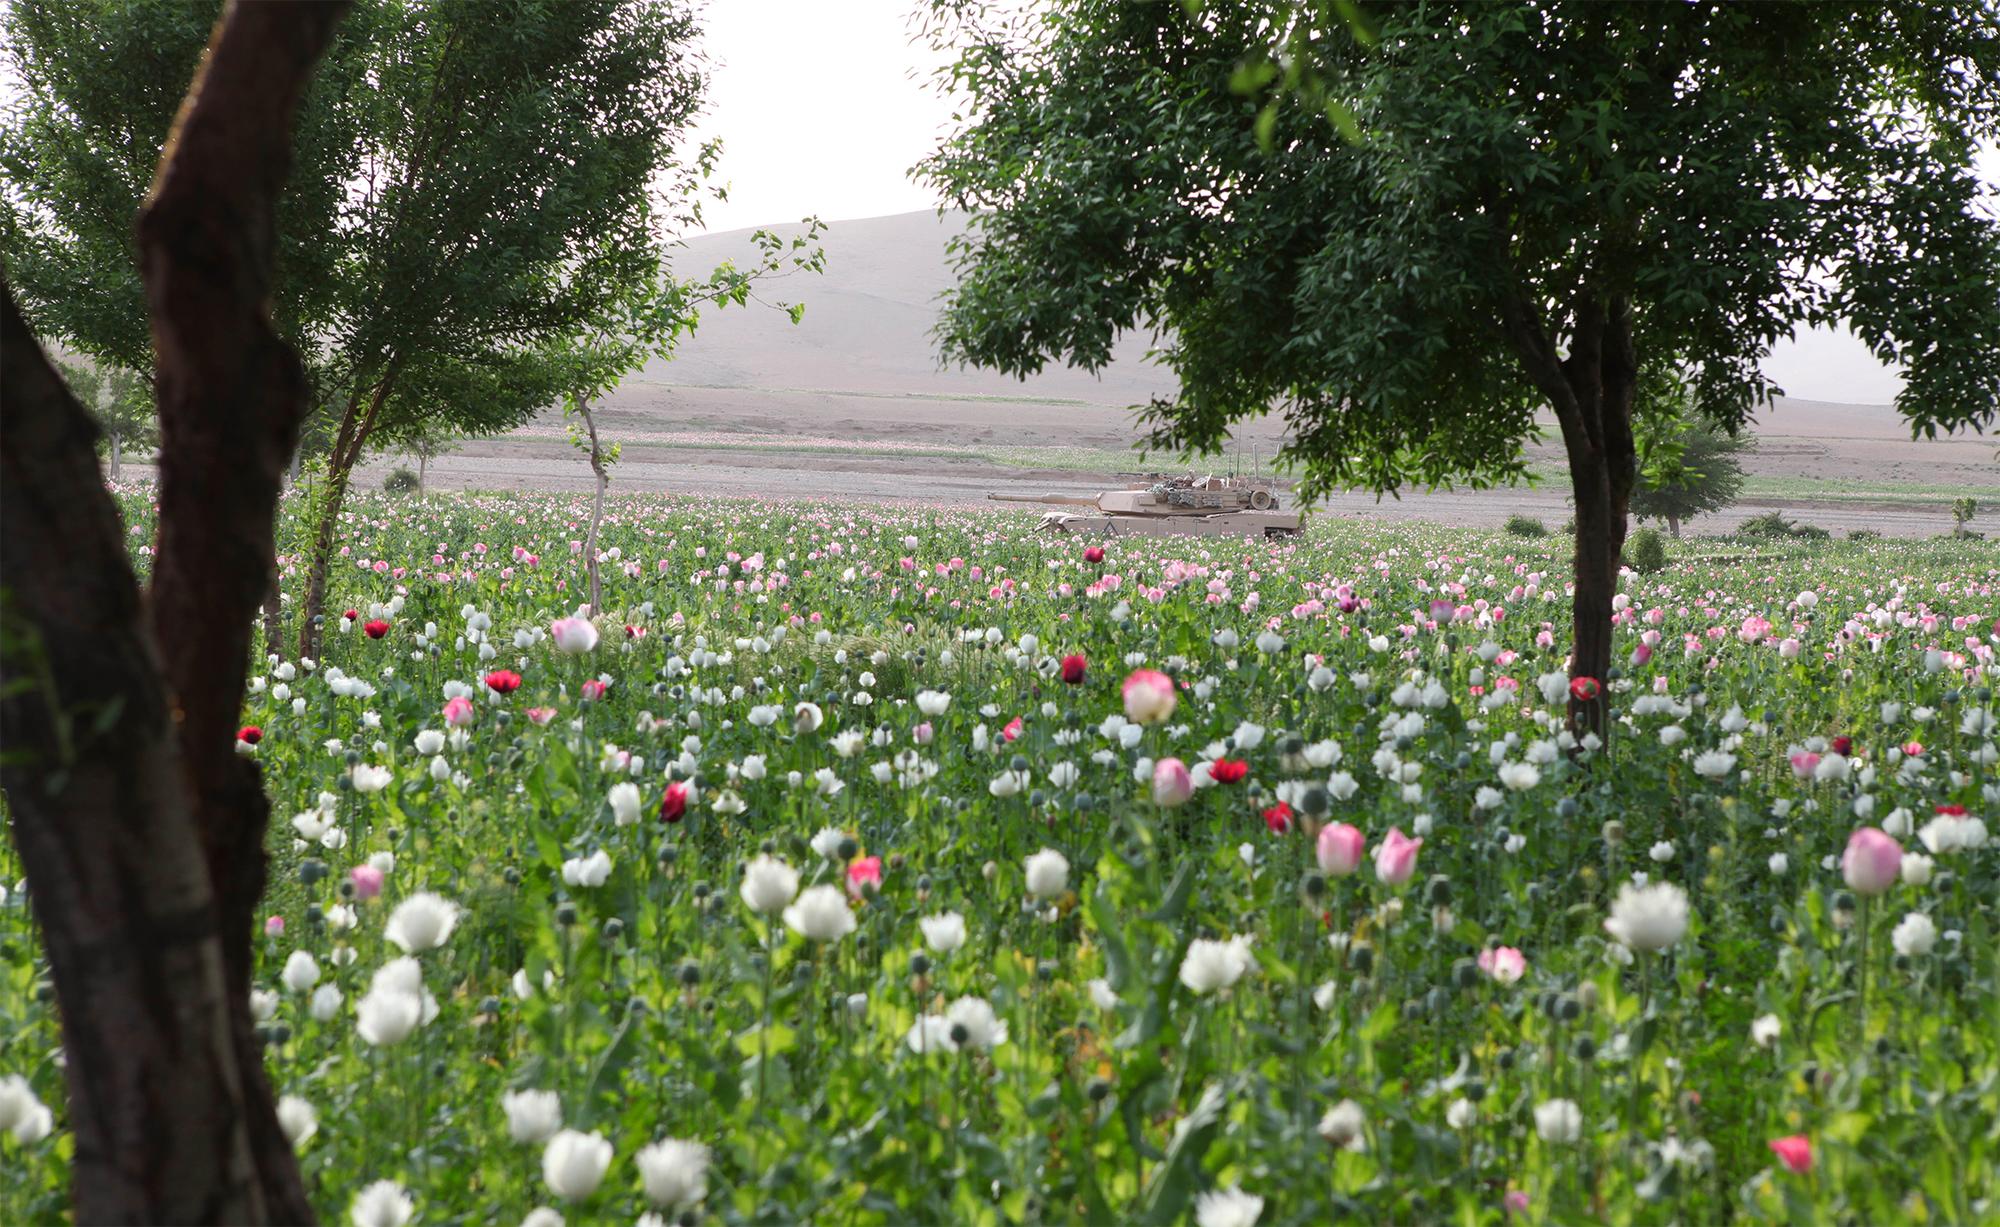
(232, 396)
(1591, 389)
(148, 890)
(120, 887)
(597, 506)
(355, 426)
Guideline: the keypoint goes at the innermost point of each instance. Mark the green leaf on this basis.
(1117, 956)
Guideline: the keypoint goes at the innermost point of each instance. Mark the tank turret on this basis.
(1208, 506)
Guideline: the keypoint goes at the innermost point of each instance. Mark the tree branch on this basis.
(232, 396)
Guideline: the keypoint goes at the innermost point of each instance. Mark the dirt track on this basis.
(794, 444)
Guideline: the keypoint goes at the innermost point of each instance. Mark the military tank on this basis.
(1202, 506)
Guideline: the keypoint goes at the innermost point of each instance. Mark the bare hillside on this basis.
(852, 402)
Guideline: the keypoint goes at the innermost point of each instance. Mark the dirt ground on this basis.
(799, 444)
(785, 444)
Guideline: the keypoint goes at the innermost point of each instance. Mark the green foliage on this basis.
(1123, 1101)
(1500, 171)
(1773, 526)
(400, 481)
(1863, 534)
(118, 400)
(1962, 511)
(1525, 526)
(473, 186)
(1646, 552)
(1698, 472)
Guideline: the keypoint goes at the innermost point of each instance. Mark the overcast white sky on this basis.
(823, 107)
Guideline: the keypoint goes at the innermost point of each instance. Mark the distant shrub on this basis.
(1863, 534)
(1646, 552)
(1773, 526)
(400, 481)
(1526, 526)
(1769, 526)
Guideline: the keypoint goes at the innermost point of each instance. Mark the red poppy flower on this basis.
(1843, 746)
(674, 803)
(1073, 667)
(1228, 770)
(1012, 730)
(864, 874)
(503, 681)
(633, 632)
(1585, 689)
(1795, 1152)
(250, 733)
(1279, 818)
(376, 628)
(1094, 554)
(351, 614)
(593, 689)
(1951, 811)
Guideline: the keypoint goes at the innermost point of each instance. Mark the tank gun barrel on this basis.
(1065, 500)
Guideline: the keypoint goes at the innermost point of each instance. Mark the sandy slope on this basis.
(851, 402)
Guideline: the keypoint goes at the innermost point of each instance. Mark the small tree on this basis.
(121, 404)
(651, 324)
(1688, 464)
(1962, 511)
(476, 185)
(424, 439)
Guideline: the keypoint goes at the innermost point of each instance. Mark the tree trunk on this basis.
(232, 396)
(1591, 389)
(423, 464)
(1674, 526)
(140, 828)
(120, 887)
(597, 507)
(116, 439)
(274, 616)
(348, 442)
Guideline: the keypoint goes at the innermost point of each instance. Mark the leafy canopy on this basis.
(1727, 173)
(474, 186)
(117, 400)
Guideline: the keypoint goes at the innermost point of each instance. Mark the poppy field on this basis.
(859, 864)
